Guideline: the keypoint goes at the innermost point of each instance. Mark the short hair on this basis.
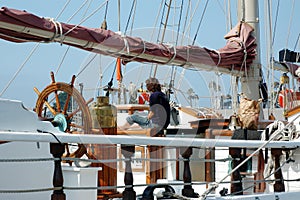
(152, 80)
(153, 84)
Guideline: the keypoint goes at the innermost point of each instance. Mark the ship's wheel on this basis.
(64, 106)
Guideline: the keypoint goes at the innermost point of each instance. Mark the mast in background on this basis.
(248, 11)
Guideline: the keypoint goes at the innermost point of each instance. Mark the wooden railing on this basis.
(57, 150)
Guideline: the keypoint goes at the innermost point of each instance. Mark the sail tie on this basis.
(174, 55)
(187, 55)
(219, 56)
(128, 51)
(58, 30)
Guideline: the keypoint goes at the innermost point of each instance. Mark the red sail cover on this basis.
(21, 26)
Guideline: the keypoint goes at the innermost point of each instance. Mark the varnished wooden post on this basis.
(236, 188)
(128, 193)
(57, 150)
(155, 170)
(187, 190)
(279, 184)
(209, 154)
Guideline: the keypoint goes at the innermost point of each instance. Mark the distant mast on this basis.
(248, 11)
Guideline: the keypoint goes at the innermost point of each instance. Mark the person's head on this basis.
(153, 85)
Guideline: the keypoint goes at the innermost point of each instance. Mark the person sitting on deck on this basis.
(159, 114)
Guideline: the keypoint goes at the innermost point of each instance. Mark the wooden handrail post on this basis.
(128, 193)
(209, 154)
(279, 184)
(236, 187)
(57, 150)
(155, 170)
(187, 190)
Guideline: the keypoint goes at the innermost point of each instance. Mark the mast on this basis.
(248, 11)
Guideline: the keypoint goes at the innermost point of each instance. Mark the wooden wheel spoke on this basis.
(57, 102)
(66, 104)
(56, 95)
(70, 93)
(78, 109)
(52, 110)
(75, 125)
(73, 113)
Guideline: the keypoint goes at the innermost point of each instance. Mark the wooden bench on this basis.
(148, 132)
(131, 108)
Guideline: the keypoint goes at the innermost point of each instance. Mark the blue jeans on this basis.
(140, 118)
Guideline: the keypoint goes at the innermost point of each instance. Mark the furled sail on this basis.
(235, 57)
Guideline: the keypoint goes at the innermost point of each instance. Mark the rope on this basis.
(130, 14)
(86, 65)
(19, 70)
(86, 18)
(62, 60)
(76, 12)
(200, 22)
(265, 179)
(290, 23)
(63, 9)
(213, 186)
(28, 160)
(192, 16)
(31, 190)
(68, 48)
(106, 9)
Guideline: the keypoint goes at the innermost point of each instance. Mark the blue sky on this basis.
(36, 71)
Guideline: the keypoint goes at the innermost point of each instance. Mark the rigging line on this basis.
(290, 23)
(76, 12)
(156, 20)
(20, 68)
(229, 18)
(189, 8)
(86, 65)
(166, 21)
(68, 48)
(192, 16)
(153, 31)
(119, 14)
(269, 68)
(133, 17)
(29, 56)
(86, 18)
(297, 42)
(63, 9)
(106, 10)
(272, 137)
(129, 16)
(200, 22)
(264, 180)
(185, 21)
(164, 28)
(62, 60)
(173, 72)
(87, 8)
(275, 24)
(222, 7)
